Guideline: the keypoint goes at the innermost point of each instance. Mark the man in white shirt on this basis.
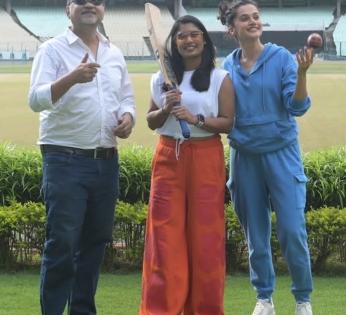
(80, 86)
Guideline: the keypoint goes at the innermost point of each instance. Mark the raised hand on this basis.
(305, 58)
(85, 72)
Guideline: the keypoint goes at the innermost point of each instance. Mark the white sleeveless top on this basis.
(205, 103)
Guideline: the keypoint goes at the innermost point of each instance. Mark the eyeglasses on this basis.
(83, 2)
(192, 35)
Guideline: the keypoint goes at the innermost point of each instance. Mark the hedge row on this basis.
(20, 175)
(22, 236)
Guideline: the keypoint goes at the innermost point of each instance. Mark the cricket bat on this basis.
(157, 40)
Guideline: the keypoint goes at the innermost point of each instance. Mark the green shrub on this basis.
(7, 223)
(135, 172)
(327, 235)
(326, 171)
(128, 236)
(20, 175)
(236, 247)
(22, 232)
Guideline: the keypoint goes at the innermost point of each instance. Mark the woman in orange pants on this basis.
(184, 258)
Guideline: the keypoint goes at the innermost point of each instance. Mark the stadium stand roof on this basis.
(45, 22)
(14, 38)
(125, 25)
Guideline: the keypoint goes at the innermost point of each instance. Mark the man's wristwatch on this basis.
(200, 121)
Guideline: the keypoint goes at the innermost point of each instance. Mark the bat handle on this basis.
(185, 129)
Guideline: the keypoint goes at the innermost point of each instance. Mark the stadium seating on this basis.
(15, 42)
(294, 3)
(126, 27)
(268, 3)
(316, 18)
(296, 18)
(289, 26)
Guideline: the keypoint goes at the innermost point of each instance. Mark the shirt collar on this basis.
(72, 37)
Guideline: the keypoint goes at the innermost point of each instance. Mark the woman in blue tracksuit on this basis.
(266, 165)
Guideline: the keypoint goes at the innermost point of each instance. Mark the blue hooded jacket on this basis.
(265, 107)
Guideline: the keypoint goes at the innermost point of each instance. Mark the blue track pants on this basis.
(277, 179)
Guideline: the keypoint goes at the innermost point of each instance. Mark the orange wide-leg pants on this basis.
(184, 257)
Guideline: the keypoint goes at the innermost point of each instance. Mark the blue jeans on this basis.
(80, 195)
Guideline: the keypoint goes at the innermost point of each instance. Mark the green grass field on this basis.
(120, 295)
(322, 127)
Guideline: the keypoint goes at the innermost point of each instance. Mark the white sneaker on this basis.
(264, 307)
(303, 309)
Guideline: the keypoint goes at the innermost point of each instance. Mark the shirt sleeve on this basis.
(127, 103)
(43, 74)
(226, 65)
(289, 81)
(156, 89)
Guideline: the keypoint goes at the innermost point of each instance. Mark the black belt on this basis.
(98, 153)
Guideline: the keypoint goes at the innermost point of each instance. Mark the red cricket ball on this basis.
(315, 40)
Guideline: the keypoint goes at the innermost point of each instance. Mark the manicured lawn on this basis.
(323, 126)
(120, 295)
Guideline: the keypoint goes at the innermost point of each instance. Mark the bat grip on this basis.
(185, 129)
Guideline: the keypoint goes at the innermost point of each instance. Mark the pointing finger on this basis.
(93, 65)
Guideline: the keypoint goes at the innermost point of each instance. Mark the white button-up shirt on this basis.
(85, 116)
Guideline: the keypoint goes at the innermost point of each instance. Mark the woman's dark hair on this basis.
(228, 10)
(200, 79)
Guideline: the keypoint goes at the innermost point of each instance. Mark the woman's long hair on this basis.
(200, 79)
